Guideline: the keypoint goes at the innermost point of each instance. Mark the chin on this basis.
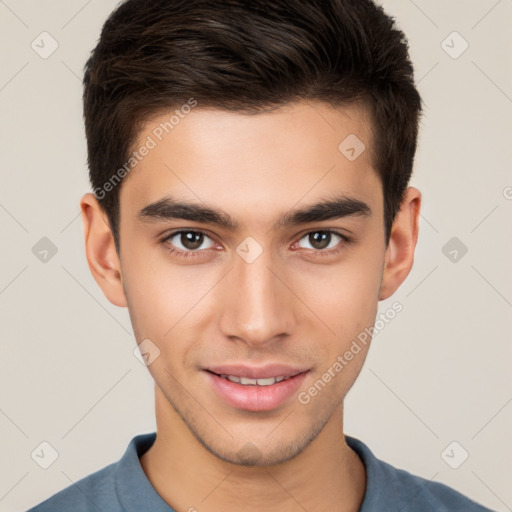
(266, 452)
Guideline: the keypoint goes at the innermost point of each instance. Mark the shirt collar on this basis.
(381, 492)
(134, 490)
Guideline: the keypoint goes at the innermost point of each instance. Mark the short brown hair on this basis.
(248, 56)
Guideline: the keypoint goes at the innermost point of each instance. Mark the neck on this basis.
(326, 475)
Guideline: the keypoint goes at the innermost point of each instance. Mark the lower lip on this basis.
(255, 398)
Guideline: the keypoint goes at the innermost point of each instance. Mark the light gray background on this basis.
(439, 372)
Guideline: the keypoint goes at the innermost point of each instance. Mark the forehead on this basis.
(254, 163)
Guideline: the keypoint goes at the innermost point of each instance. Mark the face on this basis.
(229, 269)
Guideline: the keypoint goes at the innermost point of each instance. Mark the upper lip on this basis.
(257, 372)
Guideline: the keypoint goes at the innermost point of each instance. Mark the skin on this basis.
(288, 306)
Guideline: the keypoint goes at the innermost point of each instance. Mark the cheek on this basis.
(344, 296)
(161, 293)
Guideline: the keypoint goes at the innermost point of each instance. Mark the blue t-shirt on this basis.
(124, 487)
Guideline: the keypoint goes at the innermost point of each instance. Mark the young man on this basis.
(250, 163)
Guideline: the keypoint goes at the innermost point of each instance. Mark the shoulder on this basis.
(117, 487)
(419, 494)
(390, 488)
(93, 492)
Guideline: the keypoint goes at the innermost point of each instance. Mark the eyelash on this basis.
(315, 252)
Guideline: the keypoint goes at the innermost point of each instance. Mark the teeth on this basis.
(254, 382)
(266, 382)
(245, 381)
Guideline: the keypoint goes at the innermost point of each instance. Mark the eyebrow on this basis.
(169, 208)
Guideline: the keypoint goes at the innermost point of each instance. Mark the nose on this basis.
(257, 306)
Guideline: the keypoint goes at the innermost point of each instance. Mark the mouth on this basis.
(246, 381)
(254, 389)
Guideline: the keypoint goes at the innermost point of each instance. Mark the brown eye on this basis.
(188, 240)
(191, 240)
(322, 240)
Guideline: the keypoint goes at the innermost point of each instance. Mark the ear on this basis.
(400, 251)
(100, 250)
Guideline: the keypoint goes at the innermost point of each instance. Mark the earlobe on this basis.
(402, 243)
(100, 250)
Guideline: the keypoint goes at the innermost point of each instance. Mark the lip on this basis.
(253, 397)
